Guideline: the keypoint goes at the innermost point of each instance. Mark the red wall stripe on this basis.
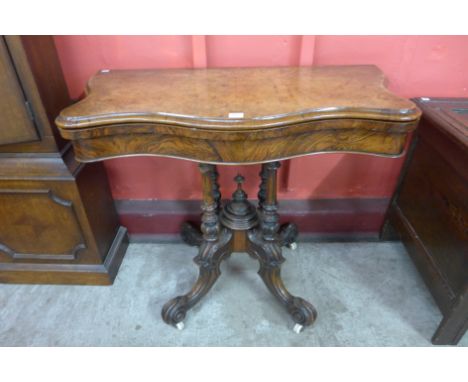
(199, 51)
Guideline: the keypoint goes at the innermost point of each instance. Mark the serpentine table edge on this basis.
(313, 110)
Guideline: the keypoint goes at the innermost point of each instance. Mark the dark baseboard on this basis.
(302, 238)
(349, 219)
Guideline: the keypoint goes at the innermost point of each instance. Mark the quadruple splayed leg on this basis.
(265, 244)
(240, 227)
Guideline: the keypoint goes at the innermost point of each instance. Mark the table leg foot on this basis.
(298, 328)
(269, 255)
(191, 234)
(288, 235)
(209, 258)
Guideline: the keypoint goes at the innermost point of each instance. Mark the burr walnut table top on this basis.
(241, 115)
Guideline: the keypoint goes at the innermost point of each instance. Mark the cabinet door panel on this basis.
(39, 225)
(15, 122)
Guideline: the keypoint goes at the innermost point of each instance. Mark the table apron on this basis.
(241, 151)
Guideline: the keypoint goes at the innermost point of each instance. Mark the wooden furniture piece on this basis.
(57, 219)
(238, 116)
(430, 210)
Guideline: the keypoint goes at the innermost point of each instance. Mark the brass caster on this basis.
(298, 328)
(292, 246)
(180, 326)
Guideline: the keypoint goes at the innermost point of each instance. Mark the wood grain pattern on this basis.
(239, 151)
(267, 97)
(33, 214)
(288, 112)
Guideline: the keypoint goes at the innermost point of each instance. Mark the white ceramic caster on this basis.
(292, 246)
(180, 325)
(298, 328)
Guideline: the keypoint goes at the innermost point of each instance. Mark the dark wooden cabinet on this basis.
(16, 119)
(58, 223)
(430, 210)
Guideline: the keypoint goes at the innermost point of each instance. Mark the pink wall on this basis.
(414, 65)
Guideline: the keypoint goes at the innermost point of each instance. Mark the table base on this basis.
(240, 227)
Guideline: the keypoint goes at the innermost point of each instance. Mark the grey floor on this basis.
(366, 294)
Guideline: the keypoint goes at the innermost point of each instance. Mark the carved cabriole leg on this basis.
(270, 258)
(216, 245)
(210, 256)
(265, 245)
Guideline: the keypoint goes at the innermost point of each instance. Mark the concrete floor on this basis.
(366, 294)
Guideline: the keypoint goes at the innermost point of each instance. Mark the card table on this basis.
(238, 116)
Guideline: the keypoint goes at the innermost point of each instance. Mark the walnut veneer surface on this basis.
(285, 112)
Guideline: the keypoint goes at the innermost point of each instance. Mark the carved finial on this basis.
(238, 213)
(239, 194)
(239, 179)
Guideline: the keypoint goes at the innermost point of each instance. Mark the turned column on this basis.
(210, 206)
(262, 188)
(190, 232)
(269, 221)
(268, 179)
